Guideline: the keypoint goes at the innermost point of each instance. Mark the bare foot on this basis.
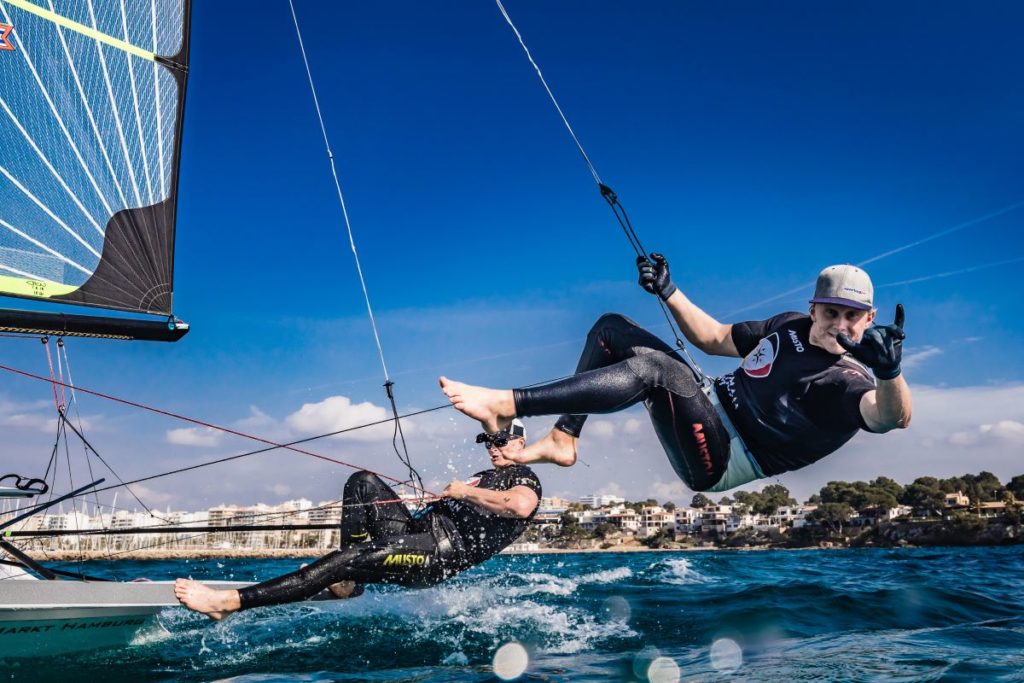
(344, 589)
(494, 408)
(205, 600)
(556, 447)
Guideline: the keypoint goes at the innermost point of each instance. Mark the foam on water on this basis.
(677, 572)
(771, 616)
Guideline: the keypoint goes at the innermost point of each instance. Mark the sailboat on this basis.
(92, 98)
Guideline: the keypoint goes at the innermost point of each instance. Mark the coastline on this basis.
(299, 553)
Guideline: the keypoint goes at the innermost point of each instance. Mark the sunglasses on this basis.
(495, 440)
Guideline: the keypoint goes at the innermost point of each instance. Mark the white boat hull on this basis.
(42, 618)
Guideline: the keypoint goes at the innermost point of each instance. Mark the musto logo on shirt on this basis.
(758, 362)
(406, 560)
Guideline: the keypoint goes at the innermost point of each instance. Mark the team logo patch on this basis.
(758, 362)
(5, 31)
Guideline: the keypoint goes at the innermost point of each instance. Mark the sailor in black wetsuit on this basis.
(383, 543)
(804, 388)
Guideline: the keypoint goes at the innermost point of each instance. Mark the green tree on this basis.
(699, 500)
(571, 530)
(1016, 487)
(925, 494)
(773, 496)
(746, 501)
(832, 516)
(659, 539)
(604, 530)
(669, 506)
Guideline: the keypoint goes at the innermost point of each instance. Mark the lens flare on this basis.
(663, 670)
(617, 608)
(643, 660)
(510, 661)
(726, 655)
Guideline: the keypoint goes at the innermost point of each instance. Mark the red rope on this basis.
(201, 423)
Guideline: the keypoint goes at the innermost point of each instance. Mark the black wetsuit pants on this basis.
(623, 364)
(381, 543)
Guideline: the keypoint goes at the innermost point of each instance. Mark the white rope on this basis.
(593, 171)
(341, 197)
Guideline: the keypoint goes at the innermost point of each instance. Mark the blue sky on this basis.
(753, 144)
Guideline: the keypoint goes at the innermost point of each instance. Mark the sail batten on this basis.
(92, 102)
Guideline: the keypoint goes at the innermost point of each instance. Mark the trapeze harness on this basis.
(789, 403)
(383, 543)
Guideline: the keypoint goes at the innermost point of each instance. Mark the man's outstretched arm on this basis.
(518, 501)
(881, 348)
(699, 328)
(888, 407)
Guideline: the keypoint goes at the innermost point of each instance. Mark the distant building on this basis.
(602, 500)
(687, 520)
(553, 504)
(957, 500)
(654, 518)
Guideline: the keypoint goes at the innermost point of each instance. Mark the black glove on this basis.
(654, 276)
(881, 348)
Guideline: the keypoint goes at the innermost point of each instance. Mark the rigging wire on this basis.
(399, 434)
(62, 348)
(610, 197)
(271, 445)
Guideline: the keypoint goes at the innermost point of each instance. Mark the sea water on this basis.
(843, 615)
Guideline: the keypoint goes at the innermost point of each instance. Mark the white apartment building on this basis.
(596, 500)
(687, 520)
(655, 518)
(553, 504)
(719, 519)
(623, 518)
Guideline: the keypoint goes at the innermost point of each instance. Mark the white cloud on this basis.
(258, 421)
(602, 429)
(917, 358)
(200, 437)
(151, 497)
(33, 421)
(675, 491)
(1005, 431)
(612, 489)
(335, 413)
(632, 426)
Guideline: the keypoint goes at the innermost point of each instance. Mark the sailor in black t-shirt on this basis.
(804, 388)
(383, 543)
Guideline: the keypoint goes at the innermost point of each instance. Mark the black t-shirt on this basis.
(793, 403)
(483, 532)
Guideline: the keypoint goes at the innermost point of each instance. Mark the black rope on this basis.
(403, 454)
(611, 198)
(89, 447)
(35, 486)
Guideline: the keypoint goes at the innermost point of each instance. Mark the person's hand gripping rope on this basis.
(654, 275)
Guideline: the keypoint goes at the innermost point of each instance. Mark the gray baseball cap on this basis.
(517, 428)
(844, 285)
